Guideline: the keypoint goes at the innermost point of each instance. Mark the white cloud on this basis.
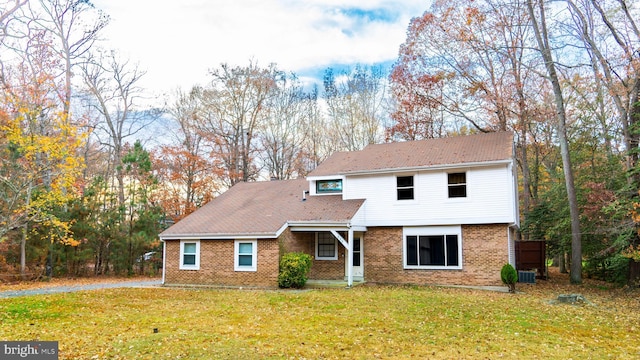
(178, 41)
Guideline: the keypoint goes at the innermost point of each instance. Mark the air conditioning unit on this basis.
(527, 277)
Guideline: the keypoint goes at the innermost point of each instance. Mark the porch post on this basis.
(348, 245)
(350, 258)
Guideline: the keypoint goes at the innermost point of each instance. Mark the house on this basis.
(440, 211)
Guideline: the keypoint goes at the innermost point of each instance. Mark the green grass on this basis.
(361, 323)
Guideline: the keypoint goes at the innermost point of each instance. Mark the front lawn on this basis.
(365, 322)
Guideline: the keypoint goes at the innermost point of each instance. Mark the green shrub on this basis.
(294, 268)
(509, 276)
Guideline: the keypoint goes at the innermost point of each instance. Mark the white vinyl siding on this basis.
(488, 187)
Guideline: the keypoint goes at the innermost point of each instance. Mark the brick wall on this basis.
(484, 252)
(320, 269)
(217, 265)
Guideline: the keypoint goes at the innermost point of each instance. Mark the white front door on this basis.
(358, 263)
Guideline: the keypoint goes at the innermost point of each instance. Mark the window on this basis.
(189, 255)
(457, 185)
(245, 255)
(405, 187)
(329, 186)
(433, 248)
(326, 247)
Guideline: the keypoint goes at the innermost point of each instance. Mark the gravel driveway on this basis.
(66, 289)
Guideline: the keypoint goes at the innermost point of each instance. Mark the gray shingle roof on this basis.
(261, 209)
(418, 154)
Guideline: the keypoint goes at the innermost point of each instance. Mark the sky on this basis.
(177, 41)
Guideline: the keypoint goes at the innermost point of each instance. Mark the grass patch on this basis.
(361, 323)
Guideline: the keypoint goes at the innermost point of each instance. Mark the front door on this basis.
(358, 263)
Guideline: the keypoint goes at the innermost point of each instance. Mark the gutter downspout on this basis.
(164, 259)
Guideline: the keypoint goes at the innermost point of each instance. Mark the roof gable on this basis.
(487, 147)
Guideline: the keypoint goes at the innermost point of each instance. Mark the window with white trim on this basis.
(246, 255)
(326, 246)
(189, 254)
(404, 187)
(433, 248)
(457, 184)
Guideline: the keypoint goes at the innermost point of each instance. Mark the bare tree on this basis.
(282, 132)
(113, 86)
(76, 25)
(355, 102)
(615, 68)
(234, 105)
(316, 146)
(539, 24)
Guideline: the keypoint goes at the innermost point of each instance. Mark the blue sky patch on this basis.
(372, 15)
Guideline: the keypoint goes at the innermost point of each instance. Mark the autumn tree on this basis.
(468, 65)
(453, 66)
(234, 106)
(189, 177)
(40, 162)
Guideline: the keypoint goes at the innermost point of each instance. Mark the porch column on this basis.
(350, 258)
(348, 245)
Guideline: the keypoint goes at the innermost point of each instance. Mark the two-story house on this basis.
(441, 211)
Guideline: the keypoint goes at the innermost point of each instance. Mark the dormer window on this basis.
(333, 186)
(404, 187)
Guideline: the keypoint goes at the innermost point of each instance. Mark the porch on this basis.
(337, 253)
(331, 284)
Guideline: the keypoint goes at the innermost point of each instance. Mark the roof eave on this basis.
(419, 168)
(191, 236)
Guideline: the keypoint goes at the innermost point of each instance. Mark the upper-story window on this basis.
(329, 186)
(457, 183)
(404, 187)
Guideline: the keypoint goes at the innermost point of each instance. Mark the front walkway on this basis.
(320, 284)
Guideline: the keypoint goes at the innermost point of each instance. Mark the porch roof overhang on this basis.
(312, 226)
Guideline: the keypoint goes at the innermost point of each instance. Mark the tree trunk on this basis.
(545, 49)
(23, 253)
(562, 263)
